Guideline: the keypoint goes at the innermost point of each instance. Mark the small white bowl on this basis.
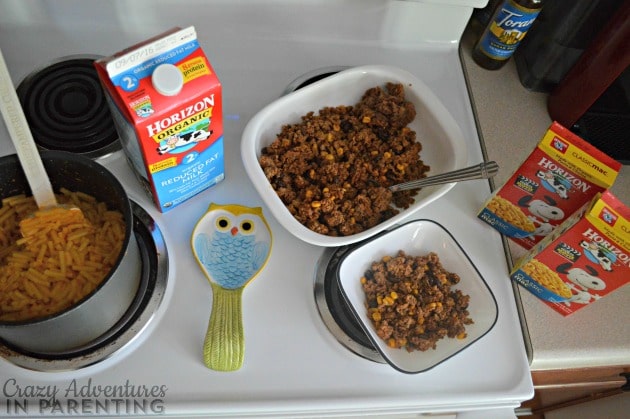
(418, 238)
(443, 146)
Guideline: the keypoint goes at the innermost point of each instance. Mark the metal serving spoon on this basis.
(484, 170)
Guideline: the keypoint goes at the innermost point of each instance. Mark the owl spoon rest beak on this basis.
(232, 244)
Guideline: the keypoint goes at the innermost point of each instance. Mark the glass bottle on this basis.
(506, 29)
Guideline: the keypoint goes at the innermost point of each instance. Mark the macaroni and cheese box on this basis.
(587, 257)
(166, 103)
(561, 174)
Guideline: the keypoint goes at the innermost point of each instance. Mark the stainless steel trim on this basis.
(329, 321)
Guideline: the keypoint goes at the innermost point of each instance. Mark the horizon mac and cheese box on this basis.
(586, 258)
(560, 175)
(166, 103)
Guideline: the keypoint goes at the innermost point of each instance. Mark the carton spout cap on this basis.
(167, 79)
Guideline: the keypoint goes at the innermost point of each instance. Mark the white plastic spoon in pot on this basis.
(49, 210)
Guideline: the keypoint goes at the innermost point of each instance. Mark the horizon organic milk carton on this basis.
(560, 175)
(586, 258)
(166, 103)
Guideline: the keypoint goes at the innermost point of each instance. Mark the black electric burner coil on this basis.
(66, 108)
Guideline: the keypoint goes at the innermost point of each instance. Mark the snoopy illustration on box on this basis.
(555, 183)
(598, 254)
(542, 211)
(582, 282)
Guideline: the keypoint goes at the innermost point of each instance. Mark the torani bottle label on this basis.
(507, 30)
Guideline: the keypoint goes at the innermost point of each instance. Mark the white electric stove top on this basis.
(293, 365)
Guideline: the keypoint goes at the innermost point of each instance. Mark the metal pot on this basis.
(99, 311)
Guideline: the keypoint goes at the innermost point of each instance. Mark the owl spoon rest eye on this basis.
(232, 244)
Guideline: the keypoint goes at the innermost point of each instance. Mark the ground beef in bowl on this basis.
(411, 303)
(333, 168)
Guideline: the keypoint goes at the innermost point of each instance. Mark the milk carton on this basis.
(166, 103)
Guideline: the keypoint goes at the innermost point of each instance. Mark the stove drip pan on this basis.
(312, 77)
(334, 310)
(66, 109)
(153, 283)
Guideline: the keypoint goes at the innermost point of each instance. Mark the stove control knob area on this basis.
(167, 79)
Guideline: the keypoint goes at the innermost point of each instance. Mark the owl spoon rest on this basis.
(232, 244)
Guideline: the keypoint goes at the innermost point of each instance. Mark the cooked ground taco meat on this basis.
(410, 301)
(333, 168)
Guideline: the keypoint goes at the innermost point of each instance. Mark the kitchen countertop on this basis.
(511, 120)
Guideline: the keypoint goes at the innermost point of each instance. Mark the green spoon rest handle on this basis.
(224, 345)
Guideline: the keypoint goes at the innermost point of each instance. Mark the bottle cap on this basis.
(167, 79)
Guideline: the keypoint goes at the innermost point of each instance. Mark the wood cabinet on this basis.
(555, 389)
